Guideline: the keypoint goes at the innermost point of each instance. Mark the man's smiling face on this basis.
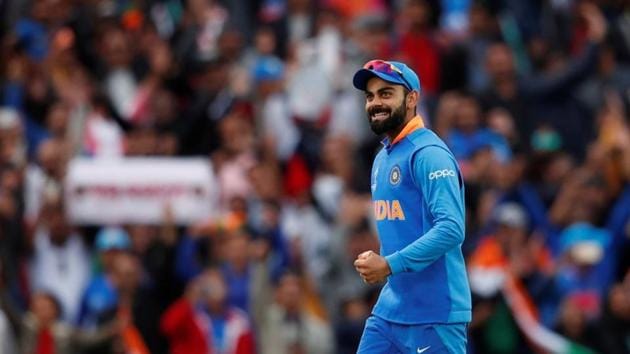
(385, 105)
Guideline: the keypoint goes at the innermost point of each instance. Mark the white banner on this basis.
(136, 190)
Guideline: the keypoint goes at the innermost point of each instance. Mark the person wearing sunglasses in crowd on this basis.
(418, 197)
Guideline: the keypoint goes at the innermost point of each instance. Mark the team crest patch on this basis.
(394, 175)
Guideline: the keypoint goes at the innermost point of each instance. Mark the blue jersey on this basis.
(418, 196)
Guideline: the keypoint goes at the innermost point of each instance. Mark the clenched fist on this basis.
(372, 267)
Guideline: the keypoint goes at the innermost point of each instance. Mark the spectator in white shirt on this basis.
(60, 263)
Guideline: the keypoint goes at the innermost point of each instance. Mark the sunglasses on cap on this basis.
(386, 67)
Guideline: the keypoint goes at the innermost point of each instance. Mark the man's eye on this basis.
(386, 94)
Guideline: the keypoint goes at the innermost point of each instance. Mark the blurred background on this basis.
(249, 104)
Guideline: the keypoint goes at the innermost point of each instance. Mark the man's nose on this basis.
(375, 101)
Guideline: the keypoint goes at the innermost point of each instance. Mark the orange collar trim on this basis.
(414, 124)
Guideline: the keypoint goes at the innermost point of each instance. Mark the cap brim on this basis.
(362, 77)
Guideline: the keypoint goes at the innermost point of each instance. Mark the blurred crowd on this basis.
(531, 96)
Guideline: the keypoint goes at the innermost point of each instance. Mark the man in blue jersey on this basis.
(418, 196)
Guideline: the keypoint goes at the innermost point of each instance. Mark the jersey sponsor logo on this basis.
(388, 210)
(394, 175)
(441, 173)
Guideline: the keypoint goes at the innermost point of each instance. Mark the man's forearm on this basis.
(441, 238)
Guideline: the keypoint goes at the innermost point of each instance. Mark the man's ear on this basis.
(413, 98)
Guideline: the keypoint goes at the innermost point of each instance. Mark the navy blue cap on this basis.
(400, 74)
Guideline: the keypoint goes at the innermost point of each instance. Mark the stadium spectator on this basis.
(202, 321)
(100, 298)
(60, 263)
(42, 330)
(281, 312)
(614, 324)
(536, 100)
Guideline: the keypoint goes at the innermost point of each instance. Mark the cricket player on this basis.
(418, 197)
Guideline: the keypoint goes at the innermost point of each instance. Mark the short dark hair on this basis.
(287, 272)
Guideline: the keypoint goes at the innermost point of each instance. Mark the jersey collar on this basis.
(414, 124)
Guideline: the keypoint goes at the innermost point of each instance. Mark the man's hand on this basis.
(372, 267)
(595, 20)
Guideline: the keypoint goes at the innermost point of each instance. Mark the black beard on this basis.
(395, 120)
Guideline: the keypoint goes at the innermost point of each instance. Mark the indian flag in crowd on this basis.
(489, 273)
(538, 335)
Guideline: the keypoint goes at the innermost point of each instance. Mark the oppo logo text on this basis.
(441, 173)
